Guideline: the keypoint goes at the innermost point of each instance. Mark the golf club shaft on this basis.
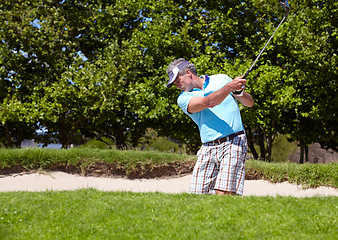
(240, 92)
(249, 70)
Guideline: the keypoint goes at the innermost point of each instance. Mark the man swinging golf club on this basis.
(210, 102)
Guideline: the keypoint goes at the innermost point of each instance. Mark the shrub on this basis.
(105, 143)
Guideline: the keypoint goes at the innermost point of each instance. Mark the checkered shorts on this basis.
(220, 167)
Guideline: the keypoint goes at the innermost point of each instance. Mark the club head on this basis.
(285, 5)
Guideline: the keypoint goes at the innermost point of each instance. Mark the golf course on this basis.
(91, 213)
(168, 119)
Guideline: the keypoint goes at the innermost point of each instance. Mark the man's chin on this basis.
(183, 89)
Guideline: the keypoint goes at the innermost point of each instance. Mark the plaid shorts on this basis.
(220, 167)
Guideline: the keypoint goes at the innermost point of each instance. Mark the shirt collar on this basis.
(206, 81)
(205, 84)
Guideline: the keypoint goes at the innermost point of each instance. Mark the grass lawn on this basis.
(92, 214)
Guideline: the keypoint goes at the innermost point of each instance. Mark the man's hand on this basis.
(238, 83)
(244, 97)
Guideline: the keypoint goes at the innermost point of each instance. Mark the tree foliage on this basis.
(97, 68)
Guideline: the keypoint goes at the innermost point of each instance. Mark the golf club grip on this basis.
(246, 74)
(240, 92)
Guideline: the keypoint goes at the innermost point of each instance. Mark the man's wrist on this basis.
(240, 92)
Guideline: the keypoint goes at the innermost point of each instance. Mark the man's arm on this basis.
(197, 104)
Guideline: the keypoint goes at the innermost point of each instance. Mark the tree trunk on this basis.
(64, 139)
(120, 139)
(19, 136)
(261, 144)
(306, 148)
(269, 148)
(301, 159)
(64, 134)
(9, 142)
(251, 142)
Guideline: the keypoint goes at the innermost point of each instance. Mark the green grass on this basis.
(45, 159)
(39, 157)
(307, 175)
(91, 214)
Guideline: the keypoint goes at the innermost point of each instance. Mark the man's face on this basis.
(184, 82)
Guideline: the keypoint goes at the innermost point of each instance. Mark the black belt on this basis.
(224, 139)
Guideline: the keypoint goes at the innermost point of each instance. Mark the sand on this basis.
(57, 181)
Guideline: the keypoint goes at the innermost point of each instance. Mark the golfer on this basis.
(212, 105)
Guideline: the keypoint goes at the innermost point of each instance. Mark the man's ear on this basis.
(189, 73)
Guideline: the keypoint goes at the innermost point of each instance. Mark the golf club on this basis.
(285, 5)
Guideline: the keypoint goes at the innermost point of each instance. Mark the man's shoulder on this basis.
(193, 93)
(217, 81)
(220, 77)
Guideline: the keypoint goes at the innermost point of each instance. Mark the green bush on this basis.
(105, 143)
(151, 141)
(282, 148)
(164, 145)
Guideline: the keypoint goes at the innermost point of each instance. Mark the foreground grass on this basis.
(91, 214)
(146, 163)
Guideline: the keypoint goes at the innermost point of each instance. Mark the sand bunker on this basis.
(63, 181)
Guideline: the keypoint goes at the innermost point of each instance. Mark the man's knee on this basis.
(221, 192)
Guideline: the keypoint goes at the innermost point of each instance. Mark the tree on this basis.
(310, 69)
(42, 44)
(18, 73)
(97, 68)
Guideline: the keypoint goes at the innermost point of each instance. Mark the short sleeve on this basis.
(183, 101)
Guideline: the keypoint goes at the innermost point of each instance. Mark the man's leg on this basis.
(230, 179)
(205, 171)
